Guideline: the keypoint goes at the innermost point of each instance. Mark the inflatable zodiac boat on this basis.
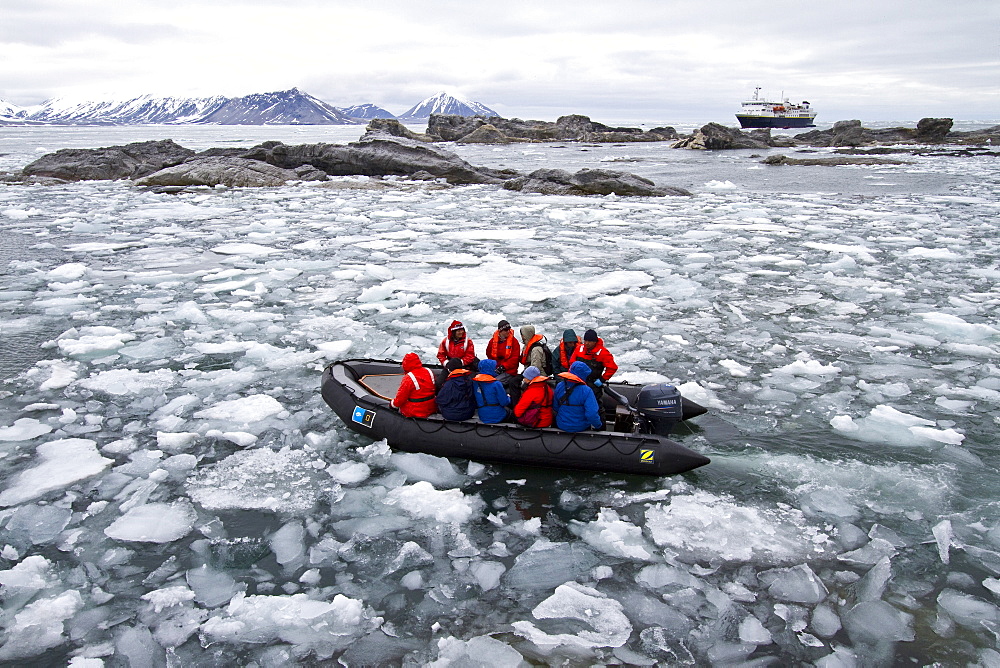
(359, 392)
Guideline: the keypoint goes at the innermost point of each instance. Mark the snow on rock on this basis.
(288, 481)
(63, 463)
(701, 526)
(612, 535)
(422, 501)
(885, 424)
(478, 651)
(609, 627)
(154, 523)
(321, 627)
(39, 626)
(24, 429)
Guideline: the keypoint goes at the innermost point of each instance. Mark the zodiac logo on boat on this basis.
(363, 416)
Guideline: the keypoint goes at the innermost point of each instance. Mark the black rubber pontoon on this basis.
(359, 390)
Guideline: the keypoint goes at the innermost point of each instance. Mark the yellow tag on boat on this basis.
(647, 456)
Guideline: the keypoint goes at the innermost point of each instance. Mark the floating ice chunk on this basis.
(290, 481)
(212, 587)
(993, 584)
(825, 623)
(704, 527)
(308, 625)
(610, 627)
(288, 543)
(422, 501)
(954, 328)
(31, 575)
(885, 424)
(702, 395)
(662, 575)
(545, 565)
(62, 373)
(349, 473)
(24, 429)
(967, 610)
(945, 538)
(176, 441)
(91, 342)
(70, 271)
(245, 411)
(154, 523)
(735, 368)
(479, 651)
(487, 573)
(333, 350)
(612, 535)
(809, 368)
(37, 524)
(752, 631)
(240, 438)
(933, 253)
(436, 470)
(246, 249)
(168, 597)
(797, 584)
(130, 381)
(870, 554)
(721, 185)
(63, 462)
(875, 622)
(39, 626)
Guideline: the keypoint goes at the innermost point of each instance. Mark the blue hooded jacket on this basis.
(455, 400)
(574, 403)
(491, 397)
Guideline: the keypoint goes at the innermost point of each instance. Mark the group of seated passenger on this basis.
(561, 388)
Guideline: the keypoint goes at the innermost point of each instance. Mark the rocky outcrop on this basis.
(830, 162)
(131, 161)
(391, 126)
(589, 182)
(221, 171)
(377, 154)
(468, 129)
(716, 137)
(853, 134)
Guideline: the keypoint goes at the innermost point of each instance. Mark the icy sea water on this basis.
(175, 492)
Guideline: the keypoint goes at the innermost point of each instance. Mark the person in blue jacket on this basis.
(574, 403)
(455, 400)
(491, 396)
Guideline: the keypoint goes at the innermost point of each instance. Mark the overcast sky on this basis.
(652, 60)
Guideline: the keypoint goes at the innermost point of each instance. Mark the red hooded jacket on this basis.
(599, 354)
(538, 393)
(415, 396)
(464, 350)
(506, 353)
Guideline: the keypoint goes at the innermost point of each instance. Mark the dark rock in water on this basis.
(589, 182)
(933, 129)
(443, 127)
(716, 137)
(222, 171)
(111, 163)
(393, 127)
(377, 154)
(833, 162)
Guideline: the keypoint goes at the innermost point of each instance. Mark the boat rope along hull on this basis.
(609, 452)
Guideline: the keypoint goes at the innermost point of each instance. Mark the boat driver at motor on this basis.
(591, 351)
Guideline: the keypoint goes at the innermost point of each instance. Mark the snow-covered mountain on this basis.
(367, 112)
(445, 103)
(290, 107)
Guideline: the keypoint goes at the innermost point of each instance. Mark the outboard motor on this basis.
(661, 407)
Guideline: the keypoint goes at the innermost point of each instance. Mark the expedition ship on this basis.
(758, 113)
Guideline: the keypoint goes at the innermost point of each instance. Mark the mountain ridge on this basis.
(288, 107)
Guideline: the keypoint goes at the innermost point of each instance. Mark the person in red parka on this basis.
(593, 353)
(415, 396)
(534, 409)
(504, 348)
(457, 345)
